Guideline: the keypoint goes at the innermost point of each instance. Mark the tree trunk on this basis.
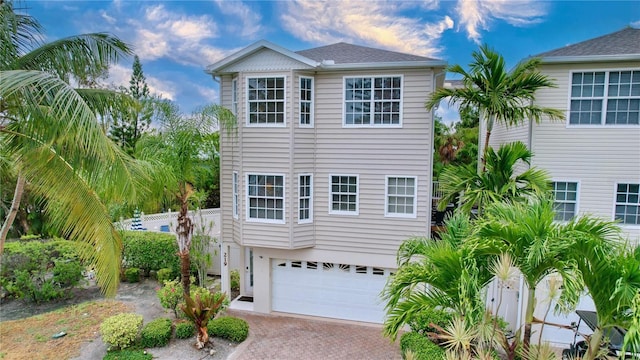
(185, 273)
(203, 337)
(528, 320)
(15, 205)
(184, 231)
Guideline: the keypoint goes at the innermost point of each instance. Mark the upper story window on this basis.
(266, 101)
(605, 98)
(373, 101)
(565, 199)
(401, 196)
(235, 205)
(306, 101)
(265, 198)
(234, 96)
(343, 194)
(628, 204)
(305, 199)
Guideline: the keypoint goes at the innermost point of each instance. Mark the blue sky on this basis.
(177, 39)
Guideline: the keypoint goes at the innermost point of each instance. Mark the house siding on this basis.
(266, 60)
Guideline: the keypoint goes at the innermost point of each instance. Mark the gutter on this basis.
(590, 58)
(382, 65)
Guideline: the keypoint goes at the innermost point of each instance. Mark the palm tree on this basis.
(177, 153)
(539, 247)
(498, 94)
(498, 183)
(50, 133)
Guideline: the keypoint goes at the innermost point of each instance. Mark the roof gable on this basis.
(343, 53)
(625, 42)
(254, 48)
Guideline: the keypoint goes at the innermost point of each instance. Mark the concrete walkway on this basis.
(284, 337)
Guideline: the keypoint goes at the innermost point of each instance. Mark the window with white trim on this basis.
(400, 196)
(234, 96)
(628, 204)
(605, 98)
(343, 194)
(235, 206)
(306, 101)
(265, 99)
(305, 199)
(565, 199)
(372, 101)
(265, 197)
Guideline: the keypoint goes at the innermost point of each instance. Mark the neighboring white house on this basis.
(328, 172)
(593, 157)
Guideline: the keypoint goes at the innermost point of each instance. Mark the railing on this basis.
(166, 222)
(436, 193)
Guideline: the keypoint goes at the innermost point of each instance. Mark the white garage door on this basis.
(339, 291)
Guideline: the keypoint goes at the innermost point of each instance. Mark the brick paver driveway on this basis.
(283, 337)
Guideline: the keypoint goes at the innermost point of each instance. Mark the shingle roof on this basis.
(343, 53)
(623, 42)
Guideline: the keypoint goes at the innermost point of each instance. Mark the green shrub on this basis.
(156, 333)
(165, 274)
(205, 293)
(420, 322)
(170, 295)
(148, 251)
(132, 274)
(184, 329)
(235, 280)
(421, 347)
(229, 328)
(127, 354)
(67, 273)
(121, 331)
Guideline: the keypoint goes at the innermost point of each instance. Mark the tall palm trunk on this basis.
(490, 121)
(15, 205)
(528, 320)
(184, 232)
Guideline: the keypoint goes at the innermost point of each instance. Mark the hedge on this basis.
(156, 333)
(421, 346)
(150, 251)
(229, 328)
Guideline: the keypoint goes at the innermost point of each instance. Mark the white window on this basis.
(628, 204)
(565, 199)
(265, 101)
(306, 101)
(343, 194)
(265, 198)
(235, 206)
(605, 98)
(400, 196)
(373, 101)
(234, 96)
(305, 198)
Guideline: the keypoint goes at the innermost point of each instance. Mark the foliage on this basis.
(421, 347)
(51, 133)
(422, 320)
(157, 333)
(500, 181)
(201, 245)
(199, 310)
(121, 331)
(132, 274)
(205, 293)
(230, 328)
(170, 295)
(40, 270)
(164, 274)
(184, 329)
(127, 354)
(235, 279)
(150, 251)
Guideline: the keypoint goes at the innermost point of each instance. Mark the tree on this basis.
(498, 183)
(499, 95)
(49, 132)
(177, 152)
(130, 123)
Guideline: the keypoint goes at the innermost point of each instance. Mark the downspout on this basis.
(431, 151)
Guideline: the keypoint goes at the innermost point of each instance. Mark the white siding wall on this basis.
(266, 60)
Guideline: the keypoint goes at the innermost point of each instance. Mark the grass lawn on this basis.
(31, 338)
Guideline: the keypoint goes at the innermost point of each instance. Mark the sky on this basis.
(176, 40)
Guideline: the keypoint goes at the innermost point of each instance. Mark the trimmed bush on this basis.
(121, 331)
(148, 251)
(422, 319)
(132, 275)
(156, 333)
(421, 347)
(230, 328)
(184, 329)
(235, 280)
(170, 295)
(165, 274)
(127, 355)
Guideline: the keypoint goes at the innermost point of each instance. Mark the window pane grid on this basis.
(401, 195)
(305, 197)
(566, 198)
(344, 190)
(266, 100)
(306, 100)
(628, 204)
(373, 100)
(266, 197)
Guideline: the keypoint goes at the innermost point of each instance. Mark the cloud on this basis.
(476, 15)
(120, 75)
(210, 95)
(246, 22)
(449, 113)
(109, 19)
(635, 24)
(379, 23)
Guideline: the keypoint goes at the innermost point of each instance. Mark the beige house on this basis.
(328, 172)
(593, 157)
